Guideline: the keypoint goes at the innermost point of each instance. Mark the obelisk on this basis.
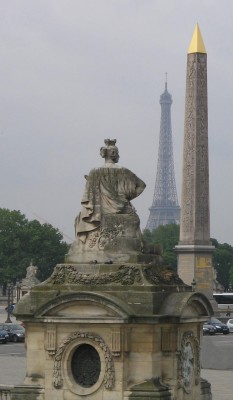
(195, 249)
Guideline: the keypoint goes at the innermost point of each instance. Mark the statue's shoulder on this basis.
(113, 169)
(94, 171)
(109, 166)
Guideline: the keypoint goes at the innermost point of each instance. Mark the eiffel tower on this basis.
(165, 208)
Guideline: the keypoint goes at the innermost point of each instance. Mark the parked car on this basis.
(16, 332)
(4, 337)
(208, 329)
(220, 327)
(230, 324)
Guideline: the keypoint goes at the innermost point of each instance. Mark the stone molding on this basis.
(51, 336)
(109, 376)
(116, 309)
(116, 343)
(194, 248)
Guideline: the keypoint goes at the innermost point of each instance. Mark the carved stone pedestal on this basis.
(113, 332)
(119, 240)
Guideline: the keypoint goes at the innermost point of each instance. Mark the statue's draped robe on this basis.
(108, 190)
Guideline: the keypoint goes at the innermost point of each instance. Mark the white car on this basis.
(230, 324)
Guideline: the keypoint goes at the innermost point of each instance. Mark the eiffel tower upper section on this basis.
(165, 208)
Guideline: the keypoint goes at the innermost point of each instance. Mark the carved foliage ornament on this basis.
(99, 238)
(126, 275)
(189, 362)
(161, 276)
(109, 376)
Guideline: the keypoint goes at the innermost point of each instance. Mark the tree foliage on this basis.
(223, 262)
(23, 241)
(166, 237)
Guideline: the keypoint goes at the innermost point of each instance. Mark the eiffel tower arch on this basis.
(165, 208)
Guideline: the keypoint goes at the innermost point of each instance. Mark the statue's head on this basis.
(110, 151)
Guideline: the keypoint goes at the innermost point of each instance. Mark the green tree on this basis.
(231, 277)
(165, 237)
(223, 262)
(23, 241)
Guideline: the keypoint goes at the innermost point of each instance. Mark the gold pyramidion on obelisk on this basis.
(195, 248)
(197, 44)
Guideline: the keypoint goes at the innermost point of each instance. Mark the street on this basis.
(13, 363)
(12, 358)
(216, 352)
(12, 349)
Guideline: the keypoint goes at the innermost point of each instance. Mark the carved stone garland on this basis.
(189, 362)
(109, 376)
(126, 275)
(159, 275)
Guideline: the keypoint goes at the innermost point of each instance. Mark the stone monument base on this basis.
(195, 262)
(113, 332)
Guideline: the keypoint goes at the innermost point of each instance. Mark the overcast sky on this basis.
(74, 72)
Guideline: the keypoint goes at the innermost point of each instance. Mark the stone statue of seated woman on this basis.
(108, 227)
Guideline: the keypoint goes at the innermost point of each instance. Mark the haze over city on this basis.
(74, 73)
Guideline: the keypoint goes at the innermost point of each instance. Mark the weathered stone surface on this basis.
(150, 390)
(138, 328)
(108, 226)
(194, 223)
(195, 214)
(125, 274)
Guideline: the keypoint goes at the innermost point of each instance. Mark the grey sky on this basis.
(75, 72)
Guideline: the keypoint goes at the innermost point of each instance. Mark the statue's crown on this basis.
(110, 142)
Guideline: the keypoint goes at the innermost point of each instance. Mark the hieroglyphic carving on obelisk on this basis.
(195, 249)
